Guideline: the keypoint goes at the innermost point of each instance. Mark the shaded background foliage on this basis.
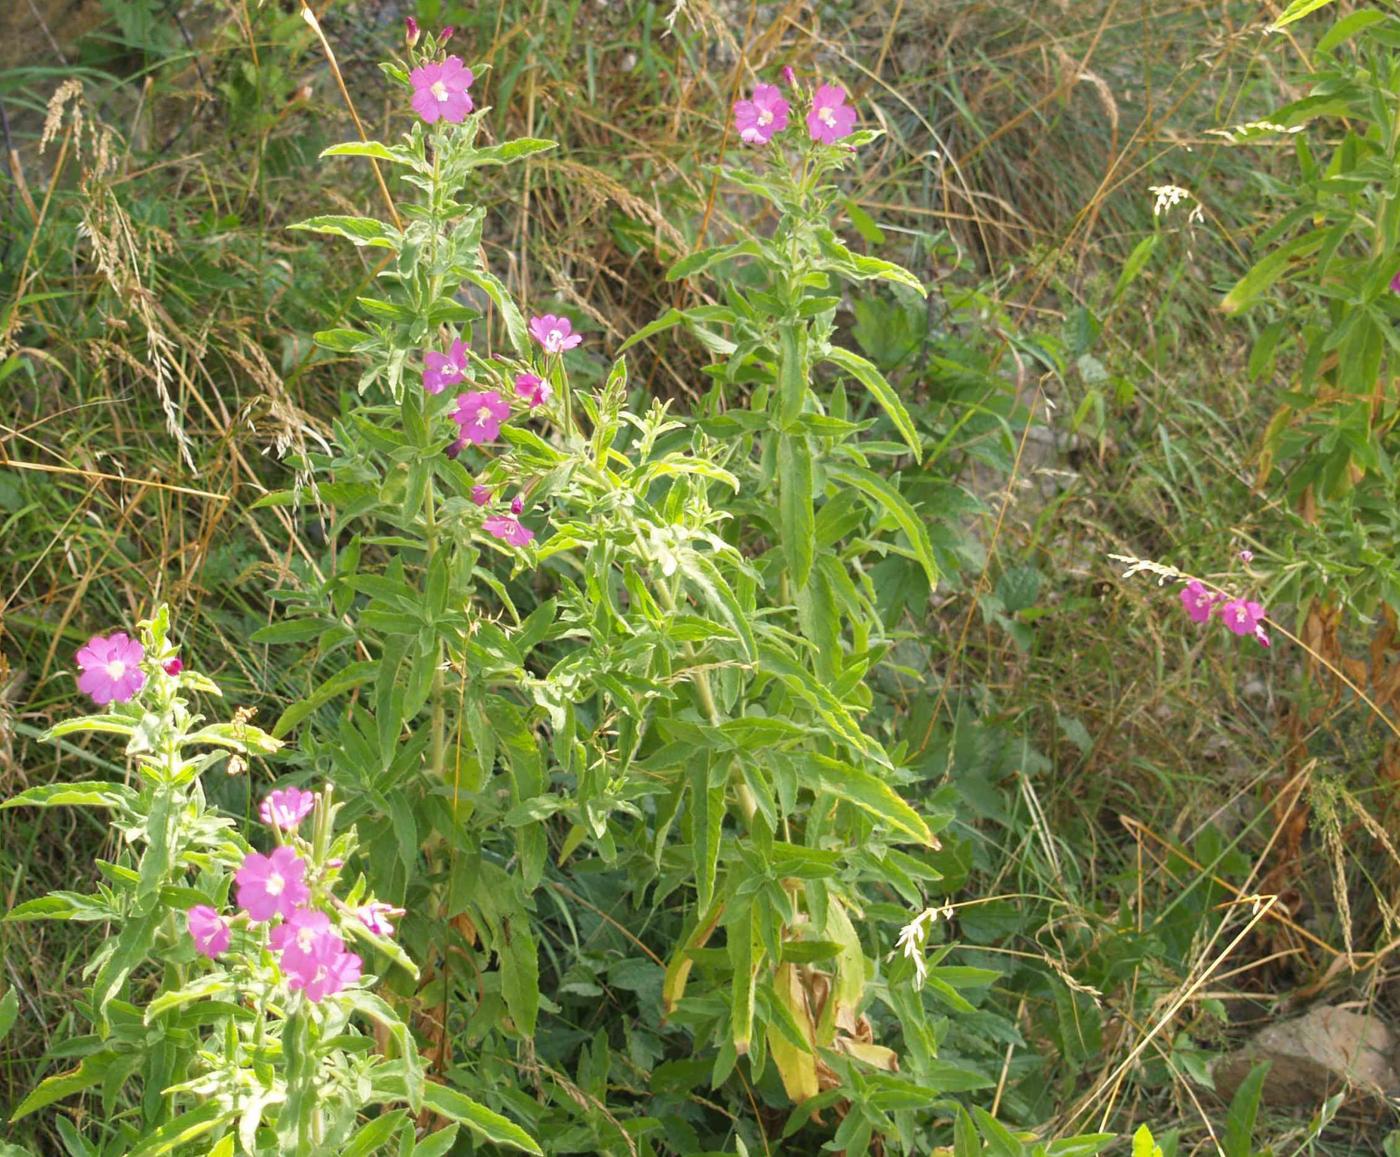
(1115, 779)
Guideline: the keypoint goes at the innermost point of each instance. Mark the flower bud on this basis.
(789, 77)
(517, 504)
(410, 31)
(445, 36)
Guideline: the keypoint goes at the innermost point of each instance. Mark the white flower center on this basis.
(275, 884)
(765, 117)
(554, 340)
(484, 416)
(439, 90)
(116, 669)
(305, 937)
(827, 117)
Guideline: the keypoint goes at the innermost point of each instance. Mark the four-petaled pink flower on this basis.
(480, 414)
(533, 389)
(1242, 616)
(209, 930)
(481, 495)
(440, 91)
(313, 957)
(286, 807)
(443, 370)
(831, 118)
(1198, 601)
(272, 885)
(509, 528)
(758, 119)
(375, 916)
(111, 667)
(556, 334)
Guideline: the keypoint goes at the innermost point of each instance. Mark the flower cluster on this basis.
(1242, 616)
(914, 936)
(274, 887)
(765, 113)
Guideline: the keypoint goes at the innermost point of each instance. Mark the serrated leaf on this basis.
(865, 791)
(361, 230)
(872, 379)
(478, 1118)
(898, 506)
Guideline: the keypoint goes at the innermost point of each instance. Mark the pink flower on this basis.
(830, 118)
(1246, 556)
(509, 528)
(479, 416)
(556, 334)
(375, 916)
(1198, 601)
(173, 667)
(481, 495)
(313, 955)
(789, 77)
(1242, 616)
(286, 807)
(272, 885)
(209, 929)
(517, 504)
(1262, 636)
(532, 389)
(443, 370)
(758, 119)
(440, 90)
(111, 668)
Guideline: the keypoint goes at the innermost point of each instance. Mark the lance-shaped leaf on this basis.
(872, 379)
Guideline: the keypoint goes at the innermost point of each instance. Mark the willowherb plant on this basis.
(237, 1032)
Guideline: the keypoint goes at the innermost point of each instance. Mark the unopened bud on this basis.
(789, 77)
(445, 35)
(517, 504)
(411, 32)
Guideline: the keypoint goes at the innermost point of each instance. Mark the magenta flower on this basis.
(286, 807)
(479, 416)
(443, 370)
(831, 118)
(758, 119)
(509, 528)
(173, 667)
(1242, 616)
(533, 389)
(556, 334)
(789, 77)
(111, 668)
(314, 958)
(517, 505)
(1246, 556)
(440, 91)
(272, 885)
(209, 930)
(375, 916)
(481, 495)
(1262, 636)
(1198, 601)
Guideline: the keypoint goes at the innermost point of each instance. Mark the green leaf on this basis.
(62, 906)
(490, 1126)
(520, 973)
(865, 791)
(502, 300)
(342, 681)
(997, 1135)
(1144, 1145)
(343, 341)
(891, 500)
(183, 1129)
(378, 152)
(702, 259)
(792, 372)
(372, 1137)
(1244, 1108)
(706, 823)
(9, 1011)
(1254, 284)
(90, 1072)
(289, 631)
(89, 793)
(360, 230)
(1137, 260)
(872, 379)
(1296, 11)
(508, 151)
(797, 515)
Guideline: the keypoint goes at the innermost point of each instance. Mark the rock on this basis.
(1313, 1056)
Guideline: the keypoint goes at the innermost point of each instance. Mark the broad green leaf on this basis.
(289, 631)
(1238, 1140)
(90, 1072)
(706, 821)
(90, 793)
(183, 1129)
(113, 724)
(797, 516)
(865, 372)
(343, 341)
(1136, 262)
(891, 500)
(485, 1123)
(858, 787)
(520, 974)
(502, 300)
(508, 151)
(62, 906)
(702, 259)
(372, 1137)
(360, 230)
(1144, 1145)
(342, 681)
(1296, 11)
(378, 152)
(1268, 269)
(410, 1063)
(792, 373)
